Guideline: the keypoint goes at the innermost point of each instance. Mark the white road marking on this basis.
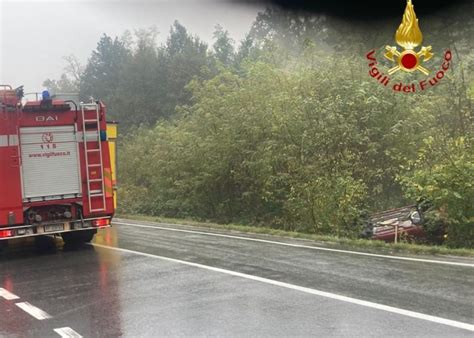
(67, 332)
(356, 301)
(33, 311)
(298, 245)
(7, 294)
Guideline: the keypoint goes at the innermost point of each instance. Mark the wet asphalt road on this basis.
(134, 291)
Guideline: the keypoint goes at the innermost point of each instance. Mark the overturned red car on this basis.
(393, 225)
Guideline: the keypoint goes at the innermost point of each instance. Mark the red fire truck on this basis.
(55, 168)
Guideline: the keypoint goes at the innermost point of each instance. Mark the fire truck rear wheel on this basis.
(88, 235)
(71, 238)
(45, 243)
(78, 237)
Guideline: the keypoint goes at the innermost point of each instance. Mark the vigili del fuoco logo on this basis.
(408, 59)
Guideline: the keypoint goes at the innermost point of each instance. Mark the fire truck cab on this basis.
(55, 168)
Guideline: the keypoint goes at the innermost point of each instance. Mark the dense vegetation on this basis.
(287, 129)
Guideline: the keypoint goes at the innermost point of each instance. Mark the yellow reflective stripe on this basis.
(109, 190)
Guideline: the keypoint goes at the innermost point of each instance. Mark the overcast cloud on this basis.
(35, 35)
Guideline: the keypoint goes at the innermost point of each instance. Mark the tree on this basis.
(104, 68)
(223, 46)
(138, 95)
(69, 80)
(185, 57)
(291, 30)
(246, 50)
(443, 173)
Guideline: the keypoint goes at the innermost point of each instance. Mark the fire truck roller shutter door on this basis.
(50, 164)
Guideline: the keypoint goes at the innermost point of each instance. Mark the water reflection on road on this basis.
(67, 282)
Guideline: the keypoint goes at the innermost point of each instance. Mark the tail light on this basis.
(99, 223)
(6, 233)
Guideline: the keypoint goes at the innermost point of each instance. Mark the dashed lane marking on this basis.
(67, 332)
(33, 311)
(297, 245)
(7, 295)
(360, 302)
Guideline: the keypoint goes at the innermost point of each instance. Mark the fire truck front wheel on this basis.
(78, 237)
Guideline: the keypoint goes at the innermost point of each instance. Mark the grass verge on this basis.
(365, 245)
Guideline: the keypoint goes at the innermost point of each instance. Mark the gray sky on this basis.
(35, 35)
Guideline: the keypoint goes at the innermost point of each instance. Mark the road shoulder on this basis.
(373, 248)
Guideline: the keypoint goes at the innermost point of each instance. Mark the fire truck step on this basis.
(93, 150)
(94, 165)
(95, 210)
(96, 180)
(91, 121)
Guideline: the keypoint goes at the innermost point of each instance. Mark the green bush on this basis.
(302, 147)
(443, 173)
(298, 148)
